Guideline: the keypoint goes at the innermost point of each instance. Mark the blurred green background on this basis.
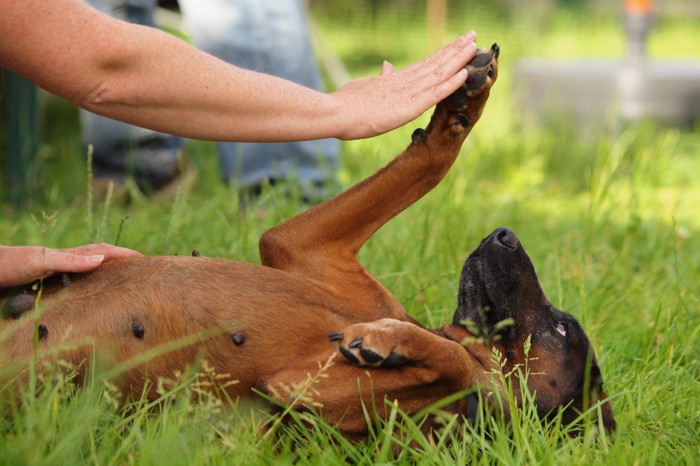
(610, 220)
(352, 38)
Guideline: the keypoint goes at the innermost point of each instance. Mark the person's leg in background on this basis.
(121, 150)
(271, 37)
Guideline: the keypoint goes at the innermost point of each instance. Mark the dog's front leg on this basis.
(415, 368)
(336, 230)
(323, 242)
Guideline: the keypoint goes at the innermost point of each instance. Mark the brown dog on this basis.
(312, 308)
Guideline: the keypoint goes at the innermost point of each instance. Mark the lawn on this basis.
(610, 221)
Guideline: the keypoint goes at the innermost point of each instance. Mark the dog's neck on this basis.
(487, 374)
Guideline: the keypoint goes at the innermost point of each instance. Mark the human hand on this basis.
(381, 103)
(23, 264)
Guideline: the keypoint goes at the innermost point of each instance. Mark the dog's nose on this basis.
(507, 238)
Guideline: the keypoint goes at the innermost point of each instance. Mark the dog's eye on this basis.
(561, 328)
(489, 73)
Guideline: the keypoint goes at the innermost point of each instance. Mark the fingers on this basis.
(23, 264)
(83, 258)
(385, 102)
(50, 261)
(452, 57)
(444, 80)
(107, 250)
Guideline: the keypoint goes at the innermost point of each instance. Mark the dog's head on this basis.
(500, 300)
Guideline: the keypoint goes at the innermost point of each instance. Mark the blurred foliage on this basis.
(363, 33)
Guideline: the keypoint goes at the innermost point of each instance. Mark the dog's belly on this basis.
(155, 317)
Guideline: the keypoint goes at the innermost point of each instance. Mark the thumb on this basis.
(387, 68)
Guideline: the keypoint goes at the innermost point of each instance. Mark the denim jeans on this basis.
(269, 36)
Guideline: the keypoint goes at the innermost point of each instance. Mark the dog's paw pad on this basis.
(419, 136)
(370, 357)
(360, 354)
(458, 99)
(350, 356)
(460, 121)
(395, 359)
(476, 81)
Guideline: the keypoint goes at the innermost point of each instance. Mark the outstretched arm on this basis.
(148, 78)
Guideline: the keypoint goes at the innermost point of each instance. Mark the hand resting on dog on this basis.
(24, 264)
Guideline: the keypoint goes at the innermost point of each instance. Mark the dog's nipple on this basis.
(42, 331)
(238, 338)
(138, 329)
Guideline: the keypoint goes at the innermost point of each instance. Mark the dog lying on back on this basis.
(311, 304)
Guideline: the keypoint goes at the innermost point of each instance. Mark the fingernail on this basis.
(471, 35)
(96, 259)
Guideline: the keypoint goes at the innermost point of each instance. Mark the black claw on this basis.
(238, 338)
(370, 356)
(395, 359)
(348, 355)
(138, 329)
(196, 253)
(42, 331)
(356, 343)
(458, 99)
(419, 135)
(462, 120)
(335, 336)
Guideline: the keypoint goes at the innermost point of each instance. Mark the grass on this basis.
(610, 223)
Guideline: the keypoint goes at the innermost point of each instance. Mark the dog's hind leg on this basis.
(323, 242)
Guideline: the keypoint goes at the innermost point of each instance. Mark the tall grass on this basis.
(610, 222)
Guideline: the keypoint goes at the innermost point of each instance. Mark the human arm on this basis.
(151, 79)
(23, 264)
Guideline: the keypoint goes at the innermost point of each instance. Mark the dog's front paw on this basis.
(482, 73)
(455, 116)
(374, 344)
